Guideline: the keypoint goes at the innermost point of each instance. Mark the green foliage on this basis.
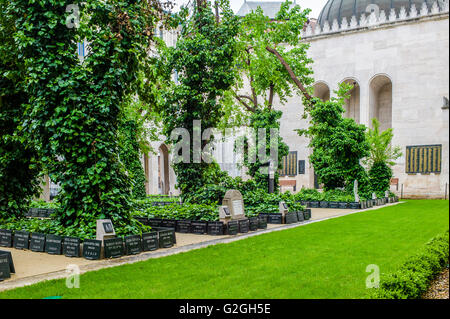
(265, 119)
(19, 167)
(203, 58)
(382, 157)
(338, 143)
(412, 279)
(381, 149)
(180, 212)
(380, 175)
(130, 157)
(74, 108)
(335, 195)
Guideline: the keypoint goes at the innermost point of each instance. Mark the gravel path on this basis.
(439, 287)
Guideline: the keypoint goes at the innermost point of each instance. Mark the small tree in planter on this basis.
(382, 157)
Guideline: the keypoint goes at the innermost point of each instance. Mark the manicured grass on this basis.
(321, 260)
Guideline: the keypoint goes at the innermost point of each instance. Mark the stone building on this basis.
(396, 54)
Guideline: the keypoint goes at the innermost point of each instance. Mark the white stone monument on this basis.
(355, 191)
(105, 229)
(235, 204)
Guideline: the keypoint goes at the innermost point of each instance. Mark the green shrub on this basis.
(414, 277)
(380, 175)
(180, 212)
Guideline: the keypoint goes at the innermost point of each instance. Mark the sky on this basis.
(315, 5)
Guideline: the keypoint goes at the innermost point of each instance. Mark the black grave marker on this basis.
(21, 239)
(154, 222)
(253, 223)
(5, 272)
(233, 227)
(165, 238)
(113, 247)
(199, 227)
(275, 218)
(10, 260)
(307, 214)
(184, 226)
(71, 247)
(133, 245)
(6, 238)
(92, 249)
(300, 216)
(53, 245)
(262, 221)
(244, 226)
(291, 218)
(169, 223)
(150, 241)
(215, 228)
(37, 242)
(108, 227)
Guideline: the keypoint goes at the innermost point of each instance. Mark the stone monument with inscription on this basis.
(235, 204)
(105, 229)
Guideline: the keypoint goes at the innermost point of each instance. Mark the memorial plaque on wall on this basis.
(133, 245)
(199, 227)
(53, 245)
(37, 242)
(244, 226)
(10, 260)
(92, 249)
(6, 238)
(71, 246)
(291, 218)
(21, 239)
(165, 238)
(184, 226)
(233, 227)
(215, 228)
(5, 272)
(113, 247)
(150, 241)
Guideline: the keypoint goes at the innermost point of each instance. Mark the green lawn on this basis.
(320, 260)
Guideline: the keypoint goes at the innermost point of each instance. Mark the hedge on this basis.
(412, 280)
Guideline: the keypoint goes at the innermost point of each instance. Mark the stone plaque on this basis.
(5, 272)
(199, 227)
(21, 239)
(105, 229)
(165, 238)
(53, 244)
(71, 246)
(113, 247)
(133, 245)
(150, 241)
(92, 249)
(235, 203)
(184, 226)
(224, 212)
(291, 218)
(37, 242)
(215, 228)
(244, 226)
(233, 227)
(6, 238)
(253, 223)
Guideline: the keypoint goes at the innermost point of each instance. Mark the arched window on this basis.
(352, 105)
(381, 101)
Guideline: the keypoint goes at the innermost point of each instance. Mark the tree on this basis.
(272, 62)
(19, 166)
(382, 157)
(203, 58)
(338, 144)
(75, 107)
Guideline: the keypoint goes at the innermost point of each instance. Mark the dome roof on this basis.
(338, 9)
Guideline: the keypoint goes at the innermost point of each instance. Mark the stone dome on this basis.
(338, 9)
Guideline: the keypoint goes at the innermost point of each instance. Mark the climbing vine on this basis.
(74, 106)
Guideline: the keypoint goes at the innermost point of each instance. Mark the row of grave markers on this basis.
(90, 248)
